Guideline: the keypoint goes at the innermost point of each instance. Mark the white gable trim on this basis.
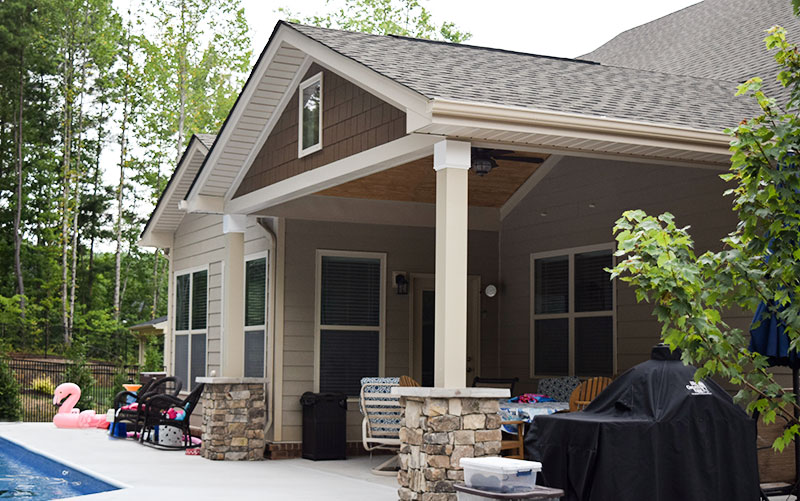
(150, 237)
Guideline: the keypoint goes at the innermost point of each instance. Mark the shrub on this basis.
(10, 403)
(43, 385)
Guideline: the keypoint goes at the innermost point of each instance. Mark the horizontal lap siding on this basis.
(352, 121)
(694, 196)
(407, 249)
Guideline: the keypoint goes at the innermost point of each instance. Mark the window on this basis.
(191, 308)
(255, 315)
(310, 120)
(350, 319)
(572, 313)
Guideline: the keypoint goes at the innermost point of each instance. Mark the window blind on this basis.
(254, 353)
(199, 299)
(255, 292)
(594, 346)
(551, 285)
(552, 346)
(593, 288)
(350, 291)
(182, 303)
(198, 358)
(345, 358)
(182, 356)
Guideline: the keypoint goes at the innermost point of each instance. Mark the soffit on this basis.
(416, 182)
(170, 216)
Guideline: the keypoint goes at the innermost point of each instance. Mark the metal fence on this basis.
(38, 378)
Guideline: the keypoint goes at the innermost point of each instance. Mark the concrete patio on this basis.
(150, 473)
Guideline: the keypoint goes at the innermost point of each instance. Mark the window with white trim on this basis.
(256, 272)
(350, 319)
(191, 311)
(309, 127)
(572, 313)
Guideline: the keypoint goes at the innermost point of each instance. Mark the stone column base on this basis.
(234, 416)
(441, 426)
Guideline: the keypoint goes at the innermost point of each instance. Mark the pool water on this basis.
(27, 475)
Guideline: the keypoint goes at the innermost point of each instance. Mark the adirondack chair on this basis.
(380, 428)
(586, 391)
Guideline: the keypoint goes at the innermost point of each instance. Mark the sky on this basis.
(562, 28)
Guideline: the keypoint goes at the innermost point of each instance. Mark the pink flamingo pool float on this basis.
(68, 416)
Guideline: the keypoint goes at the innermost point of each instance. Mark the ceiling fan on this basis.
(485, 159)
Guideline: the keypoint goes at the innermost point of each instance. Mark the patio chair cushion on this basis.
(389, 415)
(558, 388)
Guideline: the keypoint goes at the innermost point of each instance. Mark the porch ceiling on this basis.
(416, 182)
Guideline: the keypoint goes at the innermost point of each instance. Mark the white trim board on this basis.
(385, 156)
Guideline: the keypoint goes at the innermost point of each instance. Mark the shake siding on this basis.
(694, 196)
(407, 249)
(199, 241)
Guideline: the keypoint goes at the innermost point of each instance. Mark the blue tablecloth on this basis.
(515, 411)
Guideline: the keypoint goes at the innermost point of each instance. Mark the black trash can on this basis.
(324, 425)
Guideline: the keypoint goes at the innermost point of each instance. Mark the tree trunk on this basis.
(75, 225)
(121, 185)
(18, 214)
(65, 220)
(181, 85)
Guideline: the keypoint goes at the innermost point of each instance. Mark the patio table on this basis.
(516, 411)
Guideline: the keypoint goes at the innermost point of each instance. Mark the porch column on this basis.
(451, 161)
(233, 226)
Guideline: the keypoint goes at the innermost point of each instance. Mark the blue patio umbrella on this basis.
(768, 337)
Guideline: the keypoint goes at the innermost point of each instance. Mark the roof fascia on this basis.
(195, 146)
(482, 115)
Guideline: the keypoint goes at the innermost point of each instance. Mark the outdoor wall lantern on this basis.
(401, 283)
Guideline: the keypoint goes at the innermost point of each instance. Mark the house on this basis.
(381, 205)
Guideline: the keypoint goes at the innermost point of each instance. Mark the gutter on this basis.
(474, 114)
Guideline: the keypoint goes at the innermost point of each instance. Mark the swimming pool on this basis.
(25, 474)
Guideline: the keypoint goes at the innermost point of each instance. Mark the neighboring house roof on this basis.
(715, 39)
(155, 326)
(484, 75)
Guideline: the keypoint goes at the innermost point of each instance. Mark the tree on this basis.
(385, 17)
(10, 403)
(760, 260)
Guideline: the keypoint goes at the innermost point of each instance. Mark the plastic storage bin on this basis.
(500, 475)
(324, 425)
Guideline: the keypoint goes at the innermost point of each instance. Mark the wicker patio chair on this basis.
(156, 408)
(130, 413)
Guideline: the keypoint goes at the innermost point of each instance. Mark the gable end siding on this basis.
(353, 121)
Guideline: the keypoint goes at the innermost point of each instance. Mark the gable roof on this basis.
(478, 74)
(712, 39)
(166, 215)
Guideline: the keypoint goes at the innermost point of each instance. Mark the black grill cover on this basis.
(653, 434)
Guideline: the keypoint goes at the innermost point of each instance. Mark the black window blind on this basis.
(182, 357)
(350, 291)
(551, 347)
(593, 288)
(345, 358)
(182, 302)
(255, 292)
(199, 299)
(198, 357)
(594, 344)
(254, 353)
(551, 288)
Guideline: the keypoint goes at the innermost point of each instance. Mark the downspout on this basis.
(263, 222)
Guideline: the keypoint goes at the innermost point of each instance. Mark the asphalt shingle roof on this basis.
(714, 38)
(478, 74)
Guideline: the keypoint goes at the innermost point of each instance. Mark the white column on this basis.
(451, 161)
(168, 334)
(233, 226)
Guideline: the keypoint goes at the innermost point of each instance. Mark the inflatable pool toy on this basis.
(68, 416)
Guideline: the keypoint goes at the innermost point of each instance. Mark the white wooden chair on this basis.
(380, 428)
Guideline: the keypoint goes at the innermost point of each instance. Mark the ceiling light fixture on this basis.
(482, 163)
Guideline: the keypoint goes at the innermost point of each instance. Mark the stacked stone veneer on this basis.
(234, 415)
(440, 429)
